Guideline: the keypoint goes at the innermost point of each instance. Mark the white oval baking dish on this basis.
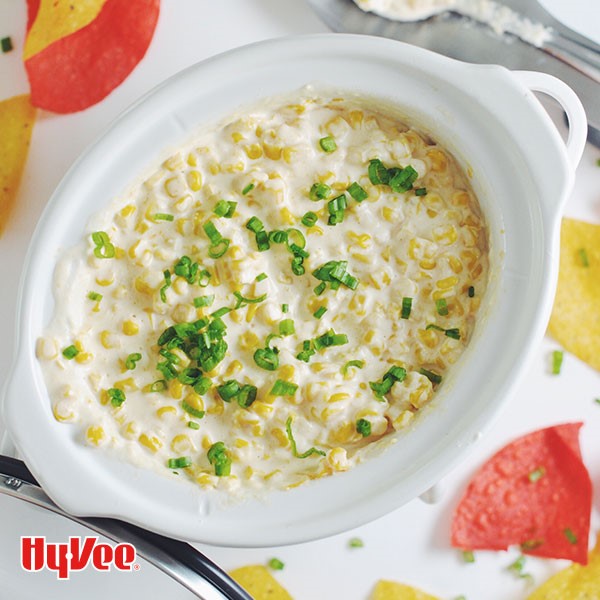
(522, 172)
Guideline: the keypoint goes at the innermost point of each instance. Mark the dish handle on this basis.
(570, 103)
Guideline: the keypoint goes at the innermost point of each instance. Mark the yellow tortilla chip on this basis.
(259, 583)
(16, 122)
(58, 18)
(390, 590)
(575, 320)
(574, 583)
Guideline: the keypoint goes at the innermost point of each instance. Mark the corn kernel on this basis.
(175, 389)
(241, 443)
(206, 442)
(192, 160)
(287, 217)
(194, 180)
(151, 442)
(455, 264)
(338, 397)
(280, 436)
(109, 339)
(95, 435)
(287, 372)
(105, 282)
(337, 459)
(130, 430)
(165, 411)
(429, 337)
(262, 408)
(182, 444)
(447, 283)
(130, 327)
(174, 162)
(62, 411)
(254, 151)
(235, 366)
(355, 118)
(84, 357)
(46, 348)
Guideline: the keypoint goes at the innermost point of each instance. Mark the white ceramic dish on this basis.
(522, 172)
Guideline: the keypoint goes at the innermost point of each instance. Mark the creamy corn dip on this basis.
(274, 300)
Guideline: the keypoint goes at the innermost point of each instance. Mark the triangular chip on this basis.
(575, 320)
(16, 123)
(535, 492)
(390, 590)
(259, 583)
(574, 582)
(80, 69)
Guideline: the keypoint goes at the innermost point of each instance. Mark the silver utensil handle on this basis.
(176, 559)
(581, 57)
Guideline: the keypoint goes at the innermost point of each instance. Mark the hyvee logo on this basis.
(76, 555)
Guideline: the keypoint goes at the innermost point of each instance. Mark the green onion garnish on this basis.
(334, 272)
(330, 339)
(243, 301)
(6, 44)
(517, 568)
(471, 291)
(378, 174)
(557, 360)
(357, 192)
(179, 463)
(307, 351)
(320, 288)
(131, 360)
(255, 224)
(193, 425)
(247, 189)
(117, 397)
(421, 191)
(261, 277)
(225, 208)
(356, 543)
(163, 217)
(468, 556)
(328, 144)
(597, 400)
(583, 257)
(190, 410)
(297, 266)
(363, 427)
(187, 269)
(267, 358)
(406, 307)
(219, 457)
(160, 385)
(537, 474)
(290, 435)
(283, 388)
(286, 327)
(70, 352)
(203, 278)
(570, 536)
(262, 241)
(393, 374)
(276, 564)
(433, 377)
(309, 219)
(228, 390)
(95, 296)
(217, 250)
(319, 191)
(103, 247)
(442, 307)
(453, 333)
(336, 208)
(403, 179)
(285, 308)
(319, 312)
(201, 301)
(531, 544)
(212, 232)
(164, 288)
(359, 364)
(278, 236)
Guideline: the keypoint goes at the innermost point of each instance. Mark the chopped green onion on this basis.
(286, 327)
(262, 241)
(204, 278)
(201, 301)
(391, 376)
(276, 564)
(330, 339)
(190, 410)
(320, 288)
(6, 44)
(245, 394)
(468, 556)
(334, 272)
(309, 219)
(357, 192)
(453, 333)
(225, 208)
(441, 306)
(228, 390)
(421, 191)
(336, 208)
(378, 174)
(583, 257)
(212, 232)
(363, 427)
(319, 312)
(243, 301)
(131, 360)
(160, 385)
(267, 358)
(597, 400)
(307, 351)
(557, 360)
(70, 352)
(95, 296)
(219, 457)
(433, 377)
(355, 543)
(278, 236)
(261, 277)
(531, 544)
(187, 269)
(247, 189)
(403, 179)
(290, 435)
(164, 288)
(471, 291)
(193, 425)
(285, 308)
(254, 224)
(406, 307)
(297, 266)
(220, 312)
(359, 364)
(163, 217)
(537, 474)
(103, 247)
(217, 250)
(283, 388)
(179, 463)
(598, 162)
(319, 191)
(328, 144)
(570, 536)
(117, 397)
(517, 568)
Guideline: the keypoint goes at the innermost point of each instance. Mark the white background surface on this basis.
(410, 545)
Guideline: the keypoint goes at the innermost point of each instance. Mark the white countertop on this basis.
(410, 545)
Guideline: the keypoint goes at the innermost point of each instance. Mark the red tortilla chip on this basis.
(535, 492)
(82, 68)
(32, 10)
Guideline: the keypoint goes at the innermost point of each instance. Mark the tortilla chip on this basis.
(575, 320)
(81, 68)
(259, 583)
(16, 123)
(535, 492)
(390, 590)
(573, 583)
(56, 19)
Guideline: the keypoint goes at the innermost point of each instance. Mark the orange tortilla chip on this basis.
(390, 590)
(259, 583)
(81, 68)
(16, 123)
(573, 583)
(575, 320)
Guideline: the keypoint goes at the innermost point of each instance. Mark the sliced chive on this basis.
(433, 377)
(190, 410)
(421, 191)
(248, 189)
(319, 191)
(70, 352)
(357, 192)
(355, 543)
(117, 397)
(517, 568)
(193, 425)
(363, 427)
(320, 288)
(328, 144)
(254, 224)
(225, 208)
(217, 250)
(378, 173)
(334, 272)
(6, 44)
(319, 312)
(309, 219)
(261, 277)
(166, 286)
(278, 237)
(406, 307)
(583, 257)
(286, 327)
(103, 246)
(441, 306)
(187, 269)
(570, 536)
(597, 400)
(204, 278)
(201, 301)
(468, 556)
(267, 358)
(403, 179)
(283, 388)
(285, 308)
(537, 474)
(384, 385)
(453, 333)
(131, 360)
(276, 564)
(471, 291)
(290, 436)
(557, 360)
(359, 364)
(179, 463)
(212, 232)
(218, 456)
(160, 385)
(163, 217)
(243, 300)
(95, 296)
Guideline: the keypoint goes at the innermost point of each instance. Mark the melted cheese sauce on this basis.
(137, 360)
